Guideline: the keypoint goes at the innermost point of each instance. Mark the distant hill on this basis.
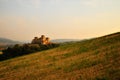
(7, 42)
(64, 40)
(94, 59)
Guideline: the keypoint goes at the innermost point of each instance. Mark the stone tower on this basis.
(42, 40)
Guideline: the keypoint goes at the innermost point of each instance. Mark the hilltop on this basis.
(94, 59)
(8, 41)
(64, 40)
(4, 43)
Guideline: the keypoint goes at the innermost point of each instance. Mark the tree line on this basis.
(19, 50)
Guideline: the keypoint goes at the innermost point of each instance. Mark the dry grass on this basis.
(0, 52)
(96, 59)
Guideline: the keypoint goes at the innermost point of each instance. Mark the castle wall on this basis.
(42, 40)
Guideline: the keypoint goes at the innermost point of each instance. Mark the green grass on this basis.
(94, 59)
(77, 65)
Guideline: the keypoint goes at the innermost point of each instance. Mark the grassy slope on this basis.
(95, 59)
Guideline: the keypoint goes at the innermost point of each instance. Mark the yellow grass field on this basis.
(0, 52)
(95, 59)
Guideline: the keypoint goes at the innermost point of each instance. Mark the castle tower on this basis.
(43, 39)
(35, 40)
(47, 40)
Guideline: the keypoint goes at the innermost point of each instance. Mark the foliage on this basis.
(18, 50)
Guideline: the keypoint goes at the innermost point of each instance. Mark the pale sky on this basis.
(67, 19)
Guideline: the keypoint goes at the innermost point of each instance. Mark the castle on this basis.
(42, 40)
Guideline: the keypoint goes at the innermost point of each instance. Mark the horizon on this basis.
(22, 20)
(67, 39)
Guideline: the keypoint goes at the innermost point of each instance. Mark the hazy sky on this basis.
(75, 19)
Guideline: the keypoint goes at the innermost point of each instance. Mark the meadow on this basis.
(94, 59)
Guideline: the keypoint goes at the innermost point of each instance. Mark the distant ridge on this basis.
(64, 40)
(8, 41)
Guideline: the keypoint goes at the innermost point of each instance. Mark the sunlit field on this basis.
(95, 59)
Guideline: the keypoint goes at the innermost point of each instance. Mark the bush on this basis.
(18, 50)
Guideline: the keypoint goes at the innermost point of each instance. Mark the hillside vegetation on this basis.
(95, 59)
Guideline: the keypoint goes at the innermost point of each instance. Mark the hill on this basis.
(95, 59)
(8, 41)
(64, 40)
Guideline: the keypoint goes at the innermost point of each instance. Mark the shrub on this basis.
(18, 50)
